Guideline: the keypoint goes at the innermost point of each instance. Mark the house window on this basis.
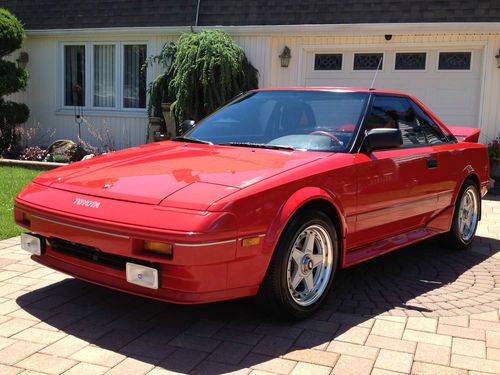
(368, 61)
(328, 61)
(104, 76)
(410, 61)
(454, 60)
(134, 79)
(74, 75)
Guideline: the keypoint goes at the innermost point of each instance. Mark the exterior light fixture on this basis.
(498, 58)
(23, 59)
(285, 57)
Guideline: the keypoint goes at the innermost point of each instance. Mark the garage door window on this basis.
(328, 61)
(454, 60)
(368, 61)
(410, 61)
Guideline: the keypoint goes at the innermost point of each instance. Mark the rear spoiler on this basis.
(465, 134)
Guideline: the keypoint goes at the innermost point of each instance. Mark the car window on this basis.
(392, 112)
(305, 120)
(432, 131)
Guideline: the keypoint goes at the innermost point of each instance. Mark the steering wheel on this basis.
(332, 137)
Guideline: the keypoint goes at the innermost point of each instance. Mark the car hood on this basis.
(179, 174)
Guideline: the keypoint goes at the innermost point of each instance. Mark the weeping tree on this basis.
(158, 88)
(12, 79)
(208, 70)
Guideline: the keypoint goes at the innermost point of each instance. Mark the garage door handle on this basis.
(432, 163)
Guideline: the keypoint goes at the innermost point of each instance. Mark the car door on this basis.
(396, 189)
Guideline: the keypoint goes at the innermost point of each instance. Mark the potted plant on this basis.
(169, 120)
(494, 154)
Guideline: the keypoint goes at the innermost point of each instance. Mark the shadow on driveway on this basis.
(421, 280)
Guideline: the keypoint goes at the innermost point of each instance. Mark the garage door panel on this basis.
(453, 95)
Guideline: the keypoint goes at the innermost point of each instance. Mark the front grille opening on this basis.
(91, 254)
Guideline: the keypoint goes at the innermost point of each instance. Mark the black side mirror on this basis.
(186, 125)
(382, 138)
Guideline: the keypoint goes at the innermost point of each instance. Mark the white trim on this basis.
(362, 28)
(125, 113)
(203, 244)
(462, 45)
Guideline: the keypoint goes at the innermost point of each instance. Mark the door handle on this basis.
(431, 163)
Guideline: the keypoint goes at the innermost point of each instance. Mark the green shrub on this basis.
(12, 79)
(11, 33)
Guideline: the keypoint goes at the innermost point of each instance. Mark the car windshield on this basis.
(285, 119)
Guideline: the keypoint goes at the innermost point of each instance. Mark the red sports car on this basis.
(266, 197)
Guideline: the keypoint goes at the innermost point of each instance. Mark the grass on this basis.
(12, 180)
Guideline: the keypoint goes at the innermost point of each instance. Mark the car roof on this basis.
(335, 89)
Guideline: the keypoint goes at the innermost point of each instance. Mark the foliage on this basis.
(103, 137)
(12, 180)
(208, 70)
(34, 135)
(12, 79)
(33, 153)
(11, 32)
(201, 72)
(494, 149)
(158, 88)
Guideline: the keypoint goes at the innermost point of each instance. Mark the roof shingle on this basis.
(68, 14)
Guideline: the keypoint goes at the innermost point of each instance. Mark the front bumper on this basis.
(202, 268)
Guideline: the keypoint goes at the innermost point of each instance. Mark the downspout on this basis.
(197, 16)
(197, 13)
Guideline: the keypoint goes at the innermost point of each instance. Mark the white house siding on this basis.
(262, 49)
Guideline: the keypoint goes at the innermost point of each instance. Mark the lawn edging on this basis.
(40, 165)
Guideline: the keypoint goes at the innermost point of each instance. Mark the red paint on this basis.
(195, 195)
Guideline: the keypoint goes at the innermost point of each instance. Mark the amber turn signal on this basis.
(27, 218)
(250, 241)
(158, 247)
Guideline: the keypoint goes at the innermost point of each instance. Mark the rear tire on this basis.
(465, 218)
(302, 268)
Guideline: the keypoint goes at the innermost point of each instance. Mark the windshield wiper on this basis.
(258, 145)
(192, 140)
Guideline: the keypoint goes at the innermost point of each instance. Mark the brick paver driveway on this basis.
(422, 310)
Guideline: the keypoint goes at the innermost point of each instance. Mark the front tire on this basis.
(302, 268)
(465, 218)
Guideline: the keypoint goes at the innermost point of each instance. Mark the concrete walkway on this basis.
(421, 310)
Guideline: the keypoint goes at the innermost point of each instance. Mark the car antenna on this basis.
(376, 72)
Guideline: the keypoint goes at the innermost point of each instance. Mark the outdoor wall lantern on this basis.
(498, 58)
(23, 59)
(285, 57)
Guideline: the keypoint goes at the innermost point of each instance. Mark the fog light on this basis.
(141, 275)
(158, 247)
(32, 244)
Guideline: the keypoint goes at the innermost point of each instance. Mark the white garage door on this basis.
(448, 81)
